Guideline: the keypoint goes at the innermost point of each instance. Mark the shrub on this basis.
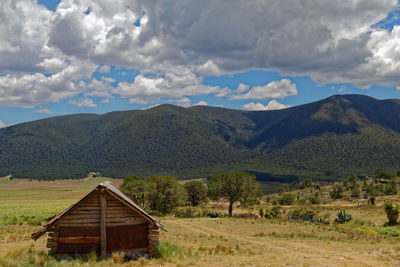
(261, 213)
(343, 217)
(213, 214)
(392, 212)
(272, 213)
(286, 199)
(380, 173)
(337, 191)
(282, 189)
(391, 188)
(371, 200)
(302, 214)
(306, 215)
(315, 199)
(355, 190)
(306, 183)
(388, 231)
(190, 213)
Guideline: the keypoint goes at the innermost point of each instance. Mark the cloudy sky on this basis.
(78, 56)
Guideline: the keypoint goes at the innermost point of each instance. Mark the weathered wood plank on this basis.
(127, 237)
(117, 218)
(82, 216)
(52, 251)
(123, 224)
(93, 209)
(79, 225)
(80, 220)
(126, 221)
(87, 212)
(80, 240)
(103, 227)
(115, 215)
(77, 248)
(51, 244)
(52, 234)
(79, 231)
(89, 206)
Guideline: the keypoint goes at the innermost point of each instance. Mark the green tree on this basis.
(364, 186)
(196, 193)
(315, 199)
(391, 188)
(287, 199)
(306, 183)
(355, 190)
(352, 178)
(135, 188)
(235, 186)
(164, 193)
(337, 191)
(381, 173)
(282, 189)
(292, 186)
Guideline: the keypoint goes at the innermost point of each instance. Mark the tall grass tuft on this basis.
(167, 250)
(118, 257)
(27, 257)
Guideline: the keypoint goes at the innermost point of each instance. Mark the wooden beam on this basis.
(103, 233)
(79, 240)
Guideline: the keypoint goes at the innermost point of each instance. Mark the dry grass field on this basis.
(206, 241)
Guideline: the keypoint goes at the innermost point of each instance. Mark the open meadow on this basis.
(206, 241)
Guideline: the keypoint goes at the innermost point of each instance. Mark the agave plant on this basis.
(343, 217)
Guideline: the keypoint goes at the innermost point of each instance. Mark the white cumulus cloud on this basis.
(83, 102)
(272, 105)
(48, 56)
(43, 110)
(176, 83)
(201, 103)
(274, 89)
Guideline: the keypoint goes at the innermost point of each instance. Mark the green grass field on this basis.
(205, 241)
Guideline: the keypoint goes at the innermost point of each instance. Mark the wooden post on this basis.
(103, 233)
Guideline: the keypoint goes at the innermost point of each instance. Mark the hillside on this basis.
(327, 139)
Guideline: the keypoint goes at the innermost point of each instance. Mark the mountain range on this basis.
(326, 140)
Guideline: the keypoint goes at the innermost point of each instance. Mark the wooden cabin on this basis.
(103, 221)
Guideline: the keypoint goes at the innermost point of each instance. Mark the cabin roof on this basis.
(108, 186)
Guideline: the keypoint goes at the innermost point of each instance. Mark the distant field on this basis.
(31, 202)
(207, 241)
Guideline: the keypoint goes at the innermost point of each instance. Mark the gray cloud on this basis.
(180, 41)
(274, 89)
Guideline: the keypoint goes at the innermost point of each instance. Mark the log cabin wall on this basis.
(119, 214)
(126, 228)
(79, 231)
(52, 240)
(153, 239)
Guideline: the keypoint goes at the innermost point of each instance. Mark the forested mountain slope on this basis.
(327, 139)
